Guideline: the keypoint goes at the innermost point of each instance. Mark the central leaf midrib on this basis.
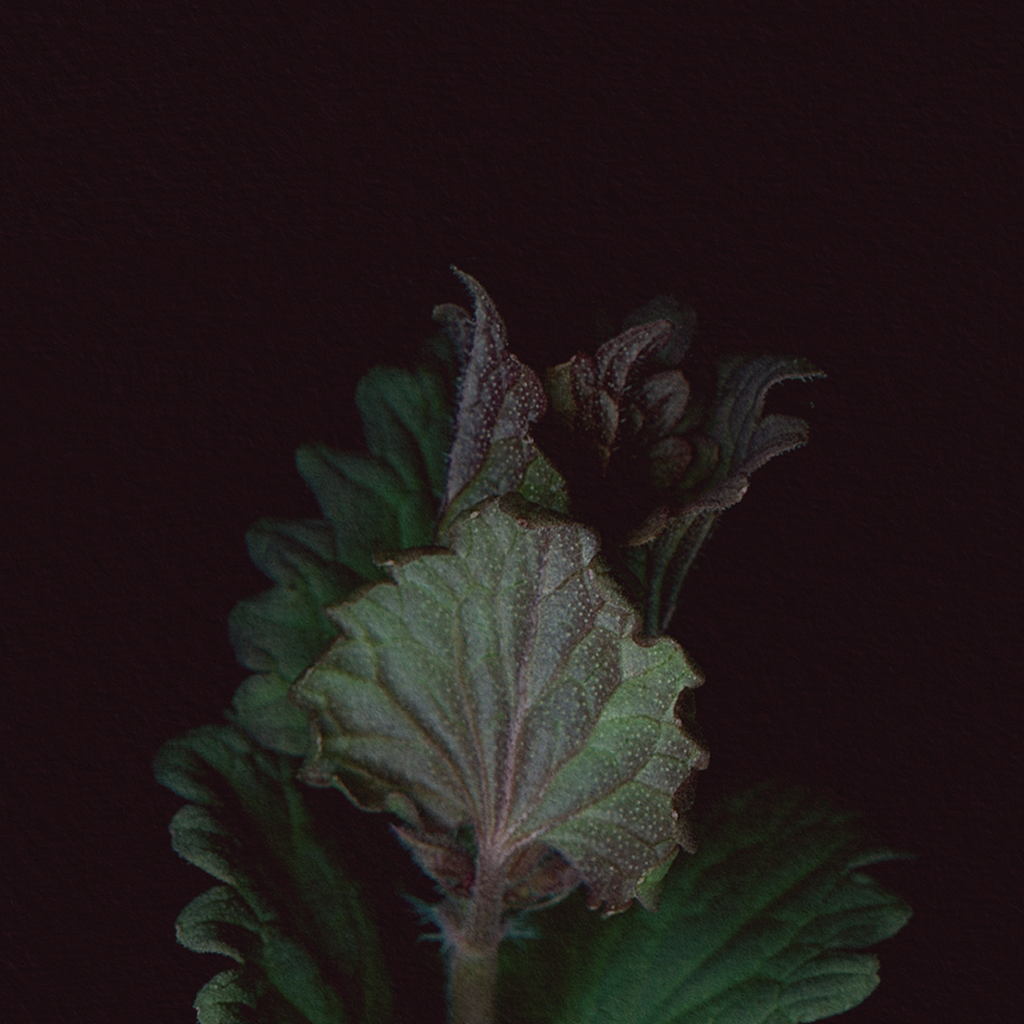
(558, 766)
(508, 775)
(458, 648)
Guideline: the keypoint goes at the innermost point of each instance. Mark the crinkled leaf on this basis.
(655, 442)
(245, 996)
(745, 438)
(590, 394)
(734, 440)
(286, 911)
(500, 685)
(682, 317)
(618, 418)
(499, 397)
(762, 925)
(220, 921)
(230, 998)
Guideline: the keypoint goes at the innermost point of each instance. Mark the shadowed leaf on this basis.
(734, 440)
(763, 924)
(382, 502)
(286, 912)
(278, 633)
(407, 422)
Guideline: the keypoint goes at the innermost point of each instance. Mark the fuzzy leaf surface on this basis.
(736, 438)
(499, 685)
(285, 911)
(747, 439)
(499, 397)
(764, 924)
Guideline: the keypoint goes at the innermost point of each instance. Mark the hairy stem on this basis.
(473, 949)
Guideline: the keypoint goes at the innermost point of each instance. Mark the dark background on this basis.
(222, 217)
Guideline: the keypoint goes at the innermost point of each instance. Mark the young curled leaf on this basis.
(499, 397)
(655, 442)
(501, 686)
(604, 398)
(735, 439)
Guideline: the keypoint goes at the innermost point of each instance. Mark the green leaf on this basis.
(500, 686)
(407, 423)
(286, 912)
(372, 510)
(230, 998)
(383, 502)
(499, 397)
(543, 485)
(280, 632)
(762, 925)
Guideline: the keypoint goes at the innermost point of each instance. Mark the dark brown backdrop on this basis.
(219, 218)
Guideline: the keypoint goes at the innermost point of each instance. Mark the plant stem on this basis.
(473, 945)
(471, 983)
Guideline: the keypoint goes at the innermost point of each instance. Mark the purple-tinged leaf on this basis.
(735, 440)
(746, 438)
(655, 441)
(597, 396)
(499, 397)
(459, 327)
